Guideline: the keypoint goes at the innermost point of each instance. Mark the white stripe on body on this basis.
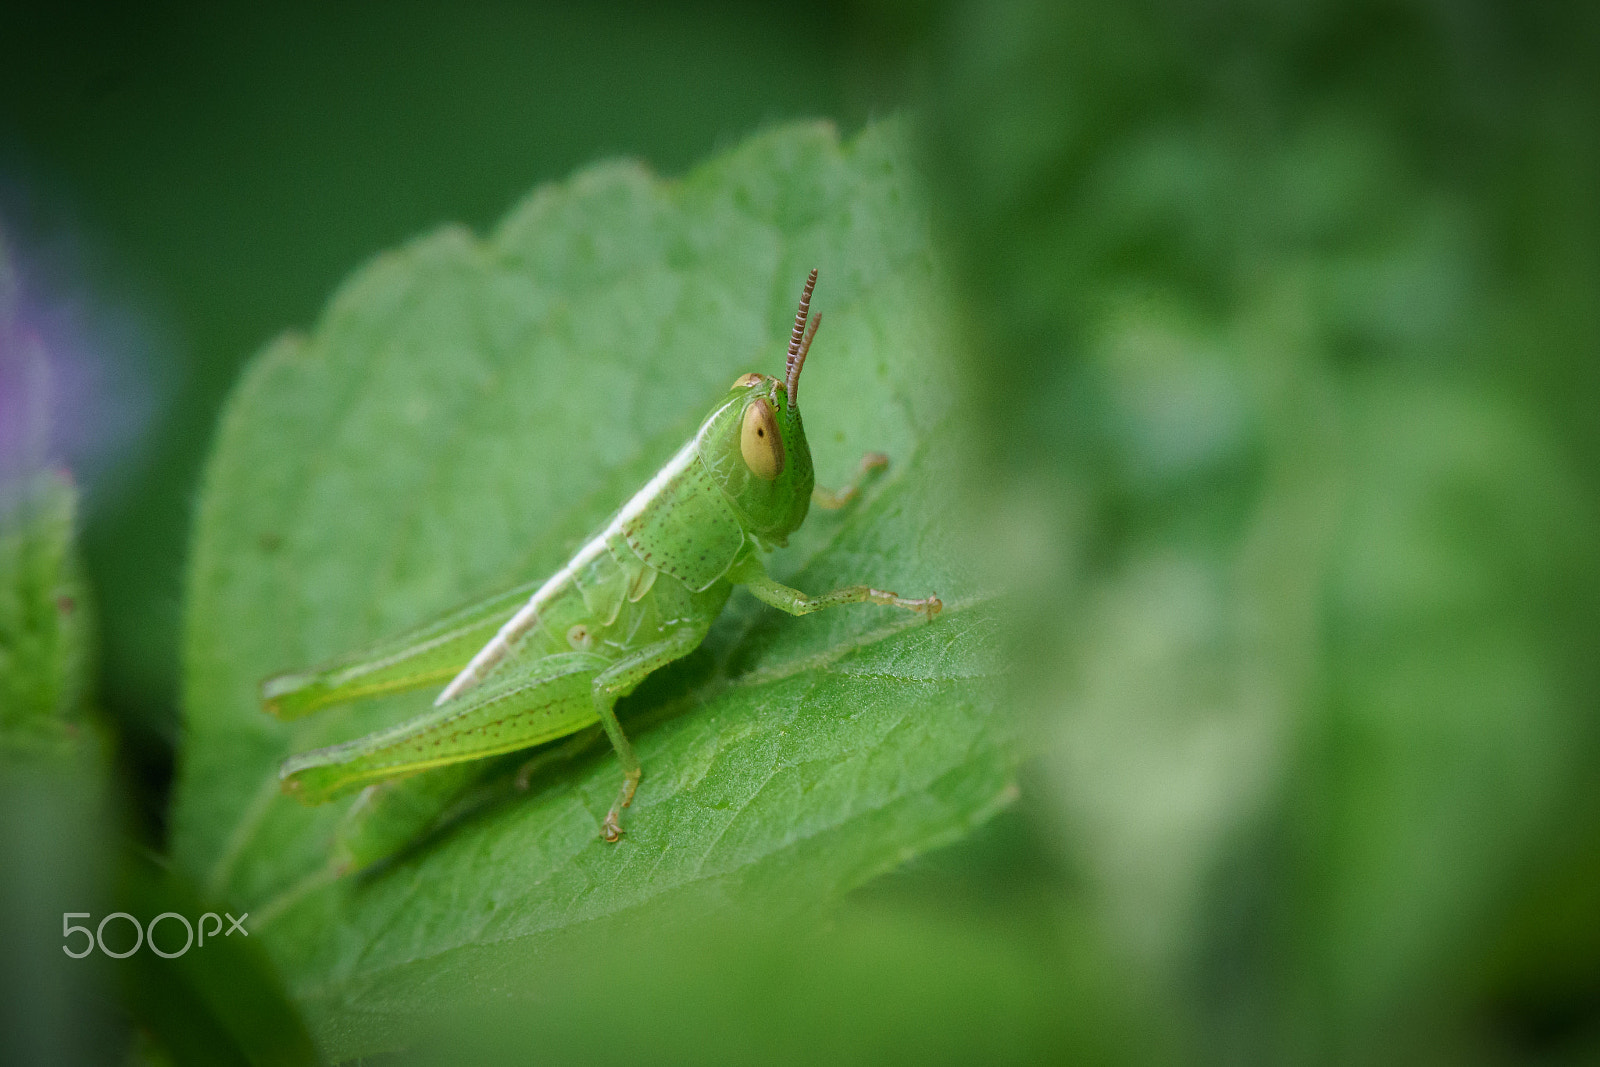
(526, 616)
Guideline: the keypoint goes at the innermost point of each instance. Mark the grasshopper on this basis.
(543, 662)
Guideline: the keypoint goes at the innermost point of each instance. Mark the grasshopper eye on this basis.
(745, 381)
(759, 441)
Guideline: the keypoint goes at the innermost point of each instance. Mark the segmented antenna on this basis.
(800, 339)
(800, 360)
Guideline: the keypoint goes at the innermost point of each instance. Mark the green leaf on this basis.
(43, 633)
(465, 411)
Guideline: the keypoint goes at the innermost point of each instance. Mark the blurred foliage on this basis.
(43, 627)
(1282, 323)
(51, 762)
(62, 849)
(220, 1002)
(1305, 301)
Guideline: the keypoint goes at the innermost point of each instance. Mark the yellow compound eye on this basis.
(745, 381)
(759, 441)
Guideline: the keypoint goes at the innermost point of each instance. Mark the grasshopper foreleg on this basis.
(834, 499)
(620, 678)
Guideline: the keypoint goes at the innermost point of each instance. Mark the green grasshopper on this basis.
(540, 663)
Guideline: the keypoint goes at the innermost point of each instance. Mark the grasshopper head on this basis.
(755, 444)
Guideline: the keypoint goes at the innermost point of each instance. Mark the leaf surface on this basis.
(463, 413)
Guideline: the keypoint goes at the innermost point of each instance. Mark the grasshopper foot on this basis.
(611, 829)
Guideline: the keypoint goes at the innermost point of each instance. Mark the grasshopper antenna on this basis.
(800, 360)
(800, 339)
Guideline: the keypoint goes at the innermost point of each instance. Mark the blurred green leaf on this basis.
(52, 771)
(463, 414)
(926, 985)
(1282, 317)
(57, 827)
(43, 627)
(216, 1002)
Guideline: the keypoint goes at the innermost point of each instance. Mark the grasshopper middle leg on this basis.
(613, 682)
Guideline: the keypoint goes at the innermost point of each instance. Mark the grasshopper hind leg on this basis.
(534, 703)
